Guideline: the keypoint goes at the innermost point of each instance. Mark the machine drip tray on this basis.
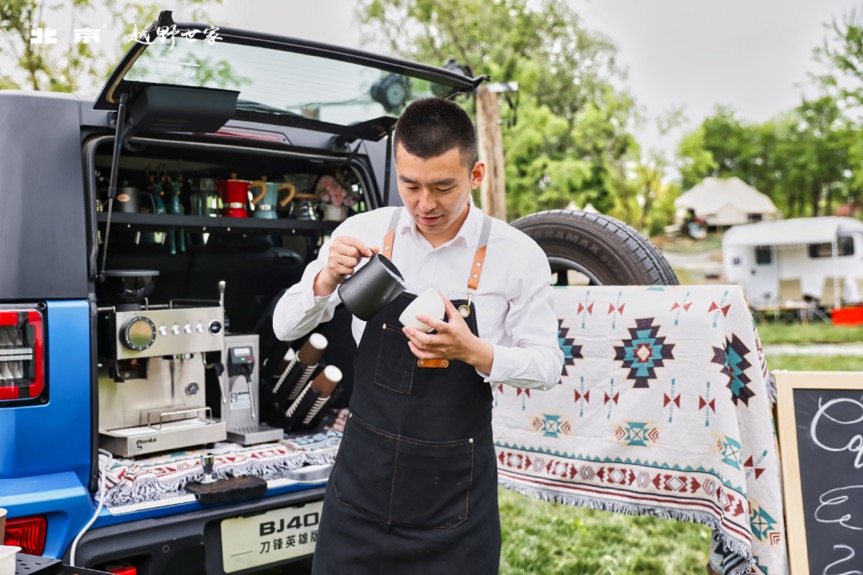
(143, 439)
(253, 433)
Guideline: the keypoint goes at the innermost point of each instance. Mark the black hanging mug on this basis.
(370, 288)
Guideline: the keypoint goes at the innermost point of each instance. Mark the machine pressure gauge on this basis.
(138, 333)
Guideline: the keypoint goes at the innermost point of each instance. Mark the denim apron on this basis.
(414, 486)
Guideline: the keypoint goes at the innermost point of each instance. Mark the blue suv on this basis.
(145, 236)
(143, 232)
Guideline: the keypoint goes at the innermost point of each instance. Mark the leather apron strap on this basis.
(390, 238)
(478, 258)
(476, 266)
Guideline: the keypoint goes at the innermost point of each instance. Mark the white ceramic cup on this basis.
(427, 303)
(8, 555)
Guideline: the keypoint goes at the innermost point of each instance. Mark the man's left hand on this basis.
(453, 340)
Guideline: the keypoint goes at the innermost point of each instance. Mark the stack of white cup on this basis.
(8, 553)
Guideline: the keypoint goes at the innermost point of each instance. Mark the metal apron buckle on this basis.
(464, 309)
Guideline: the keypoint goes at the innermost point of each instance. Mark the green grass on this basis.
(814, 332)
(685, 245)
(552, 539)
(815, 363)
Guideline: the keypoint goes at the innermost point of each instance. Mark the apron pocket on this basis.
(432, 483)
(396, 363)
(363, 475)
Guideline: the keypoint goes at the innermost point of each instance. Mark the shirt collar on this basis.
(467, 235)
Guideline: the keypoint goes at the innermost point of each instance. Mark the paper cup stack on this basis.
(8, 556)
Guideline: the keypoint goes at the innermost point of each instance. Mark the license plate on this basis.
(275, 536)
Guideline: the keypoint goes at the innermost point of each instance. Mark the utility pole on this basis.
(492, 191)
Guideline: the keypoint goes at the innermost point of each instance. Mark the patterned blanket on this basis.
(131, 481)
(664, 408)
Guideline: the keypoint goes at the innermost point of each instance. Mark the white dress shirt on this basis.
(513, 301)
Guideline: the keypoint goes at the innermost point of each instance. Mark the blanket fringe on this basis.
(129, 487)
(772, 389)
(728, 543)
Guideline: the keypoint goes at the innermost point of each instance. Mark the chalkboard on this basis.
(821, 447)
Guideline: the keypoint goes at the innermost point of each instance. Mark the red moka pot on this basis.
(235, 197)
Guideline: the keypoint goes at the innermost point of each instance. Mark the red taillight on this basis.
(22, 373)
(28, 533)
(122, 570)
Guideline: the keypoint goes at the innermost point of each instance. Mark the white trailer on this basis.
(789, 261)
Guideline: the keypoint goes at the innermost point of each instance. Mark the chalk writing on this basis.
(833, 504)
(855, 443)
(848, 557)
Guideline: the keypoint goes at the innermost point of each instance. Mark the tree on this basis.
(68, 66)
(643, 196)
(824, 161)
(573, 124)
(803, 159)
(806, 158)
(694, 160)
(841, 53)
(536, 163)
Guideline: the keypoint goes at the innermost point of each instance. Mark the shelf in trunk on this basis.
(215, 224)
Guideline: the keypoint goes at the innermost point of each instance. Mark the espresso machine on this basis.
(152, 375)
(241, 392)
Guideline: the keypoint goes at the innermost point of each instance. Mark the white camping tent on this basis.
(725, 202)
(823, 254)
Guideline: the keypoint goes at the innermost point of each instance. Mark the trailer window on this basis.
(763, 255)
(844, 247)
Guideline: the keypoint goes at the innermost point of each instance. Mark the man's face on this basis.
(436, 191)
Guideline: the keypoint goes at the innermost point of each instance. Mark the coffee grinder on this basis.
(241, 392)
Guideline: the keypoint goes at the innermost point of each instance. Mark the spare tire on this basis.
(595, 249)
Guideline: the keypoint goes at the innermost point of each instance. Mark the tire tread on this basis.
(609, 240)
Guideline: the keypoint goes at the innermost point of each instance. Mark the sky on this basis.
(751, 55)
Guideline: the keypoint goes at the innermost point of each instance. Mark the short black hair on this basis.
(433, 126)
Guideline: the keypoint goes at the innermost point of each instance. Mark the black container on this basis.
(372, 287)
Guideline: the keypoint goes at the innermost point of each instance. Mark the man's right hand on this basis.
(344, 255)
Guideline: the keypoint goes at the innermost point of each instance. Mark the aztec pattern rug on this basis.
(131, 481)
(663, 408)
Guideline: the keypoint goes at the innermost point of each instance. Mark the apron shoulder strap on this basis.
(479, 257)
(389, 239)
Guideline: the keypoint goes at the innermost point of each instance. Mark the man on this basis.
(414, 487)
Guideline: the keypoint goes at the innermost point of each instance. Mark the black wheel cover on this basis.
(605, 250)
